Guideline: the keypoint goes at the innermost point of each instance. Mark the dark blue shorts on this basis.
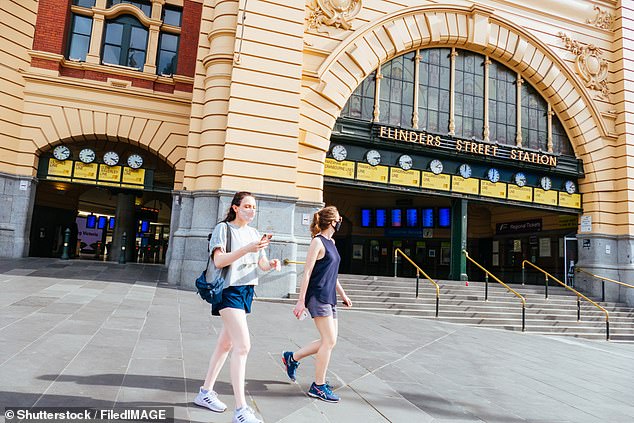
(239, 297)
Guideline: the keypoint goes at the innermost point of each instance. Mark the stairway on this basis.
(462, 304)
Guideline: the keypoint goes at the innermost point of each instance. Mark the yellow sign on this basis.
(545, 197)
(85, 171)
(520, 193)
(466, 186)
(109, 173)
(133, 176)
(365, 172)
(442, 182)
(60, 168)
(491, 189)
(399, 176)
(570, 200)
(343, 169)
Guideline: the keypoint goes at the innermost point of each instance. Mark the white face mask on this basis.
(246, 214)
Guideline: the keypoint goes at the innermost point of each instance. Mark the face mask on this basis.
(337, 226)
(246, 214)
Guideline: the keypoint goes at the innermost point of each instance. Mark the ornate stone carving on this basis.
(335, 13)
(603, 19)
(592, 68)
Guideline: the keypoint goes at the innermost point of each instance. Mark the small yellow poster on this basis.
(520, 193)
(465, 186)
(545, 197)
(344, 169)
(365, 172)
(109, 174)
(433, 181)
(493, 189)
(86, 171)
(410, 178)
(60, 168)
(133, 176)
(570, 200)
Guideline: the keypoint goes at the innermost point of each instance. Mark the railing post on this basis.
(417, 281)
(486, 287)
(607, 330)
(124, 240)
(602, 290)
(523, 274)
(523, 318)
(546, 291)
(395, 261)
(437, 303)
(578, 309)
(65, 255)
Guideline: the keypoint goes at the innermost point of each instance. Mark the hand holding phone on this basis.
(266, 237)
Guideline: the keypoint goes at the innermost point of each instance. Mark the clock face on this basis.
(111, 158)
(339, 152)
(520, 179)
(435, 166)
(465, 171)
(135, 161)
(61, 152)
(546, 183)
(493, 175)
(570, 187)
(405, 162)
(87, 155)
(373, 157)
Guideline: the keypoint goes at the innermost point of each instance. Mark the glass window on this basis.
(502, 104)
(534, 119)
(125, 42)
(561, 143)
(84, 3)
(167, 54)
(397, 91)
(79, 44)
(145, 6)
(172, 16)
(469, 95)
(360, 105)
(433, 90)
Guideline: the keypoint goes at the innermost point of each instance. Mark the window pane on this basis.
(79, 45)
(138, 38)
(136, 58)
(82, 25)
(169, 42)
(114, 33)
(111, 54)
(84, 3)
(469, 100)
(171, 16)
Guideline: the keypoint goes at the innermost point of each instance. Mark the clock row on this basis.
(373, 157)
(88, 155)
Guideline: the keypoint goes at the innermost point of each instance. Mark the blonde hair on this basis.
(322, 219)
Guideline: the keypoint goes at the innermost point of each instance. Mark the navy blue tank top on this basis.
(323, 280)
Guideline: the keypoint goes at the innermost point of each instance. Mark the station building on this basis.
(500, 128)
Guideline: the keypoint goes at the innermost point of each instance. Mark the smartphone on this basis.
(265, 236)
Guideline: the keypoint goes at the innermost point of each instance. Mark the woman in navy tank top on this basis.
(318, 294)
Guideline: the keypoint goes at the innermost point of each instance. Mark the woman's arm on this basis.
(222, 259)
(346, 300)
(311, 257)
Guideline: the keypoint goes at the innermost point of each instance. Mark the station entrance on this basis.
(103, 199)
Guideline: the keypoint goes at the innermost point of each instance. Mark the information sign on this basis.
(365, 172)
(109, 174)
(545, 197)
(491, 189)
(409, 178)
(133, 176)
(570, 200)
(344, 169)
(440, 182)
(85, 171)
(465, 186)
(60, 168)
(520, 193)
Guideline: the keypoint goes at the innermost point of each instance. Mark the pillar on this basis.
(458, 266)
(125, 221)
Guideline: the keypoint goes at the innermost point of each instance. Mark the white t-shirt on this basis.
(243, 271)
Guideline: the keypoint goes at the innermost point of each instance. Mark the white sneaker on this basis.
(210, 400)
(245, 415)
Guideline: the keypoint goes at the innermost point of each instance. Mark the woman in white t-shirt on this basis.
(245, 255)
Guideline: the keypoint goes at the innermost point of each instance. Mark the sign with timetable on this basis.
(520, 193)
(545, 197)
(366, 172)
(60, 168)
(493, 189)
(440, 182)
(344, 169)
(465, 186)
(570, 200)
(404, 177)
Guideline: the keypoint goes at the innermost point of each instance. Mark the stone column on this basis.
(125, 221)
(16, 213)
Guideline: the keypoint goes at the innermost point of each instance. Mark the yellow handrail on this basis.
(517, 294)
(287, 262)
(579, 269)
(418, 272)
(577, 293)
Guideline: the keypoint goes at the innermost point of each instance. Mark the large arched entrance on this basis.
(113, 197)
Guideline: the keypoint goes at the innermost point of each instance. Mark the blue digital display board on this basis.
(444, 217)
(428, 218)
(397, 218)
(111, 223)
(366, 218)
(411, 218)
(145, 225)
(101, 223)
(381, 218)
(91, 221)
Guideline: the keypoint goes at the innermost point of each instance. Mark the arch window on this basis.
(361, 102)
(125, 42)
(469, 84)
(145, 6)
(397, 91)
(560, 139)
(534, 119)
(502, 104)
(434, 89)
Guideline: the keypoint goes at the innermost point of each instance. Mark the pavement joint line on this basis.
(180, 330)
(79, 352)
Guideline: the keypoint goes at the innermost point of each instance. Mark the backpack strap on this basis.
(225, 269)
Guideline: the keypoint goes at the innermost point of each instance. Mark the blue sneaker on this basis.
(322, 392)
(291, 364)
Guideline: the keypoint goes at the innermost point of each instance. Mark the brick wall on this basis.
(51, 27)
(190, 29)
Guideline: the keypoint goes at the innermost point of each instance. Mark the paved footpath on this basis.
(76, 342)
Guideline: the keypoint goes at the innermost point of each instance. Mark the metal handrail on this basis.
(577, 293)
(287, 262)
(486, 287)
(418, 272)
(603, 280)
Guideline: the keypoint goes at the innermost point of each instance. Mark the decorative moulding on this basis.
(332, 13)
(591, 66)
(603, 19)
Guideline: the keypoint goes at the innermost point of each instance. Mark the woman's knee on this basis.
(329, 343)
(242, 349)
(225, 345)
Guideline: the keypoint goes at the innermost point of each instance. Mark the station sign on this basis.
(94, 174)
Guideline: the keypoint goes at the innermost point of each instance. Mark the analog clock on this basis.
(135, 161)
(465, 171)
(111, 158)
(61, 152)
(339, 152)
(405, 162)
(493, 175)
(570, 187)
(87, 155)
(373, 157)
(546, 183)
(520, 179)
(435, 166)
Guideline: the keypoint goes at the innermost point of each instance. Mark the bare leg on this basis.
(218, 358)
(307, 350)
(327, 327)
(235, 322)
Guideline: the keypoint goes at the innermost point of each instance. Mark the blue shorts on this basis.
(239, 297)
(318, 309)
